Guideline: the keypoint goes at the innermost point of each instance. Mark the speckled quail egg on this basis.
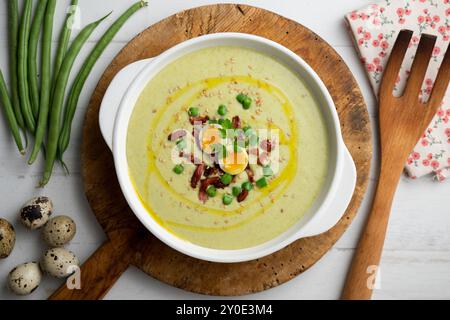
(7, 238)
(57, 262)
(58, 231)
(36, 212)
(24, 278)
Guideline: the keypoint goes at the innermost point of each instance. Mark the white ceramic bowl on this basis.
(328, 207)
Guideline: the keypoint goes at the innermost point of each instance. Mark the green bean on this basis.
(13, 28)
(75, 91)
(41, 128)
(64, 38)
(9, 112)
(58, 97)
(22, 71)
(32, 56)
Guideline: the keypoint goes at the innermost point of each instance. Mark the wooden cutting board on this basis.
(131, 244)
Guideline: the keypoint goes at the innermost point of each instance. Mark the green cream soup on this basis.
(180, 170)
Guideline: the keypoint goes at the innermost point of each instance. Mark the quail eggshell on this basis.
(25, 278)
(36, 212)
(7, 238)
(58, 231)
(57, 262)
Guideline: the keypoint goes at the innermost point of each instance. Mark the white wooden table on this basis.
(416, 258)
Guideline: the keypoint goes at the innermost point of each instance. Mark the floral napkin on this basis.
(375, 29)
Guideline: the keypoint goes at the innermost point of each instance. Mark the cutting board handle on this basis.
(97, 275)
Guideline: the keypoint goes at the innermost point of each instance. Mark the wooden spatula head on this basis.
(404, 119)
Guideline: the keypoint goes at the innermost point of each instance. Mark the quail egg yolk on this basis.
(235, 162)
(209, 137)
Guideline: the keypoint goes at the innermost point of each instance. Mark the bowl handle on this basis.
(339, 204)
(113, 97)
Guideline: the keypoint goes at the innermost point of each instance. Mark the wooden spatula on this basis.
(402, 121)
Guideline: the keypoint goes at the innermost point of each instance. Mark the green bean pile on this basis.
(35, 106)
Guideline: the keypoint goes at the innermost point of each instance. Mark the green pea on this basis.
(211, 191)
(228, 124)
(181, 144)
(250, 132)
(247, 186)
(267, 171)
(225, 123)
(223, 133)
(261, 183)
(227, 199)
(178, 169)
(194, 112)
(241, 97)
(236, 191)
(253, 140)
(226, 179)
(222, 110)
(247, 103)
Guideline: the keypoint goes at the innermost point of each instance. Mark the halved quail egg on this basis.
(235, 161)
(210, 136)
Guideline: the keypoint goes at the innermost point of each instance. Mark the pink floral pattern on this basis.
(375, 29)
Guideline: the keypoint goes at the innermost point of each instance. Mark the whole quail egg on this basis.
(58, 231)
(36, 212)
(25, 278)
(7, 238)
(57, 262)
